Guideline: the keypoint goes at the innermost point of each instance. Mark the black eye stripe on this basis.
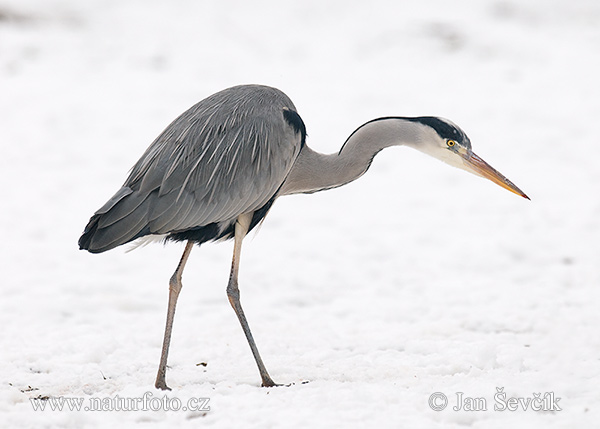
(444, 129)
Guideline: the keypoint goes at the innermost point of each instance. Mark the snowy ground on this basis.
(416, 279)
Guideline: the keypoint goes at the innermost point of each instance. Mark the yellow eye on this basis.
(450, 143)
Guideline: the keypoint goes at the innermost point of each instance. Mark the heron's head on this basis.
(445, 141)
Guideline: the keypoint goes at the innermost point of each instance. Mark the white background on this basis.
(418, 278)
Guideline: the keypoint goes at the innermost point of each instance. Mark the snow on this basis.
(417, 278)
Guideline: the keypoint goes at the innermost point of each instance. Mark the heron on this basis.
(214, 173)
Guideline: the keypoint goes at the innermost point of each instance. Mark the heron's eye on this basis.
(450, 143)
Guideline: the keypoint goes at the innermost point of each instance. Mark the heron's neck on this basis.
(315, 171)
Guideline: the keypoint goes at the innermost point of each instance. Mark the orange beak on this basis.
(481, 168)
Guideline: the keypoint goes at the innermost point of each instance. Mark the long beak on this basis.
(478, 166)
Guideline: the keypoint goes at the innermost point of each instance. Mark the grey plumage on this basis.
(215, 171)
(227, 155)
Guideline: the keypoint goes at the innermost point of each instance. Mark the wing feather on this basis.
(225, 156)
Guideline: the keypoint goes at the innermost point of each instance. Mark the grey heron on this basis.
(216, 170)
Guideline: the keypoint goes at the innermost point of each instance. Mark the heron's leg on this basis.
(233, 293)
(174, 289)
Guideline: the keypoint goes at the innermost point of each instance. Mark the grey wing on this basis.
(226, 156)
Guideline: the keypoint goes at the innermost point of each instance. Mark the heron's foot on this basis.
(267, 382)
(161, 384)
(284, 385)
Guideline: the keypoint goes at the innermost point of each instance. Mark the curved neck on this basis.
(313, 171)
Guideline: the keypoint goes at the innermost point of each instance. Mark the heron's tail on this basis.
(121, 220)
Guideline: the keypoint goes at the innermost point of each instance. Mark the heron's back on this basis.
(225, 156)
